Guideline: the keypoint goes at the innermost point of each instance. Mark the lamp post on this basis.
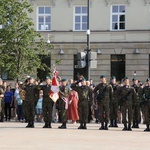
(88, 38)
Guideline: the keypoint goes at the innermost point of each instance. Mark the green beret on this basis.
(113, 77)
(31, 77)
(148, 79)
(134, 79)
(63, 80)
(125, 78)
(102, 76)
(47, 77)
(83, 79)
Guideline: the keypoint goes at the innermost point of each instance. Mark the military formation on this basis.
(108, 97)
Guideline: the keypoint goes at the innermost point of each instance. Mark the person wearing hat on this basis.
(63, 102)
(85, 97)
(48, 103)
(2, 91)
(29, 102)
(146, 100)
(136, 108)
(104, 98)
(114, 104)
(127, 98)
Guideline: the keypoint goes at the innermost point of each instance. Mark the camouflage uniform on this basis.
(146, 101)
(136, 108)
(29, 103)
(47, 106)
(64, 92)
(2, 91)
(85, 98)
(114, 107)
(104, 99)
(127, 99)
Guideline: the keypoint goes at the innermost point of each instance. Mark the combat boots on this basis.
(129, 127)
(147, 129)
(32, 124)
(81, 126)
(102, 126)
(111, 123)
(63, 126)
(116, 124)
(134, 126)
(84, 126)
(106, 126)
(49, 125)
(46, 125)
(125, 127)
(28, 125)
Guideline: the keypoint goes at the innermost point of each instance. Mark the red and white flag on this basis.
(54, 88)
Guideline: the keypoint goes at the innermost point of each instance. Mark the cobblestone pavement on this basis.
(14, 136)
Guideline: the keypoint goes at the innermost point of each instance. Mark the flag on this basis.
(54, 88)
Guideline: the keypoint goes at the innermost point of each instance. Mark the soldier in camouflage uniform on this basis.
(127, 99)
(85, 97)
(47, 103)
(63, 102)
(146, 100)
(30, 101)
(2, 91)
(114, 104)
(104, 98)
(136, 109)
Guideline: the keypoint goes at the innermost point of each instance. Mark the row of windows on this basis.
(80, 18)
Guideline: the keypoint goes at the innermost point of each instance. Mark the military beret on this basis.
(102, 76)
(134, 79)
(63, 80)
(125, 78)
(148, 79)
(31, 77)
(113, 77)
(83, 79)
(47, 77)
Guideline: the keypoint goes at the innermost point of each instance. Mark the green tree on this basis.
(19, 49)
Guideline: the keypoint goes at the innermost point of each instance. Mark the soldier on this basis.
(47, 105)
(2, 91)
(30, 101)
(114, 104)
(136, 109)
(127, 98)
(85, 94)
(146, 101)
(104, 99)
(63, 102)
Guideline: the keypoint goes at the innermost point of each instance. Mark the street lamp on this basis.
(88, 38)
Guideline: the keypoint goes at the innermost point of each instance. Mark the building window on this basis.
(118, 17)
(118, 66)
(44, 18)
(80, 18)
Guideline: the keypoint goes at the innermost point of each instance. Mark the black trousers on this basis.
(7, 109)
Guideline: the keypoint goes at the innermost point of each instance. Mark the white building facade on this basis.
(120, 33)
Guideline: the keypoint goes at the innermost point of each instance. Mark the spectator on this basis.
(73, 106)
(8, 99)
(39, 107)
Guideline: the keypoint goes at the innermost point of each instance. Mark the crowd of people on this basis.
(79, 101)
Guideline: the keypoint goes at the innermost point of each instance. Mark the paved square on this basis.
(14, 136)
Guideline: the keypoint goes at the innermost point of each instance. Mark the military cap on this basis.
(113, 77)
(134, 79)
(102, 76)
(63, 80)
(148, 79)
(125, 78)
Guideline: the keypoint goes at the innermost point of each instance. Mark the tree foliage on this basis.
(18, 40)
